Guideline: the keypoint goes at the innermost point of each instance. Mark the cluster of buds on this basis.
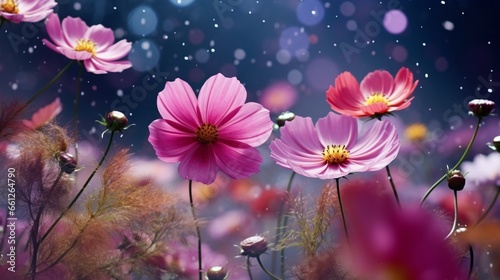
(114, 121)
(481, 107)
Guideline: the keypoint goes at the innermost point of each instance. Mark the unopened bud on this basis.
(481, 107)
(116, 121)
(456, 180)
(284, 117)
(217, 273)
(496, 144)
(253, 246)
(67, 162)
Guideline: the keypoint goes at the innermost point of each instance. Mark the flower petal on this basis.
(101, 36)
(219, 96)
(345, 97)
(379, 81)
(251, 125)
(403, 86)
(199, 164)
(301, 135)
(98, 66)
(177, 102)
(73, 29)
(53, 26)
(337, 130)
(116, 51)
(169, 143)
(44, 114)
(237, 160)
(75, 55)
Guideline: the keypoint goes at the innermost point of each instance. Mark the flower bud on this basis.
(67, 162)
(456, 181)
(284, 117)
(481, 107)
(496, 144)
(116, 121)
(253, 246)
(217, 273)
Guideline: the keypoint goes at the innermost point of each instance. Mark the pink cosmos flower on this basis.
(333, 148)
(25, 10)
(387, 242)
(92, 45)
(217, 131)
(379, 93)
(44, 115)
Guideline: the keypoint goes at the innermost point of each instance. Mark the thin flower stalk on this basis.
(455, 218)
(429, 191)
(485, 214)
(81, 190)
(267, 271)
(389, 176)
(193, 211)
(342, 209)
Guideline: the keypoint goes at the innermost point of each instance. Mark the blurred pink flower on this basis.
(483, 171)
(391, 243)
(18, 11)
(44, 115)
(216, 132)
(92, 45)
(379, 93)
(333, 148)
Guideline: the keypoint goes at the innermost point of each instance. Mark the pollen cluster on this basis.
(335, 154)
(207, 133)
(85, 45)
(10, 6)
(376, 97)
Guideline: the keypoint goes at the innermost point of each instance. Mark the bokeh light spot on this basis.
(310, 12)
(395, 21)
(142, 20)
(181, 3)
(144, 55)
(278, 97)
(399, 53)
(293, 39)
(347, 9)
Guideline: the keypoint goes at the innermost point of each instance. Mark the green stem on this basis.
(455, 219)
(75, 115)
(280, 229)
(392, 185)
(200, 267)
(490, 207)
(249, 270)
(479, 119)
(81, 190)
(47, 86)
(267, 271)
(342, 210)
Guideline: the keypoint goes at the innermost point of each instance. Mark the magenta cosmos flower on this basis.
(217, 131)
(25, 10)
(387, 242)
(377, 95)
(334, 148)
(92, 45)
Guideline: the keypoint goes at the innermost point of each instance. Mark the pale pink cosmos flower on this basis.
(334, 148)
(17, 11)
(44, 115)
(92, 45)
(217, 131)
(377, 95)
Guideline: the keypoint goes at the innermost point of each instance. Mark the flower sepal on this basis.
(115, 121)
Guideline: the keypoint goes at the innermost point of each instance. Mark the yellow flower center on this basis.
(10, 6)
(416, 132)
(207, 134)
(335, 154)
(376, 97)
(85, 45)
